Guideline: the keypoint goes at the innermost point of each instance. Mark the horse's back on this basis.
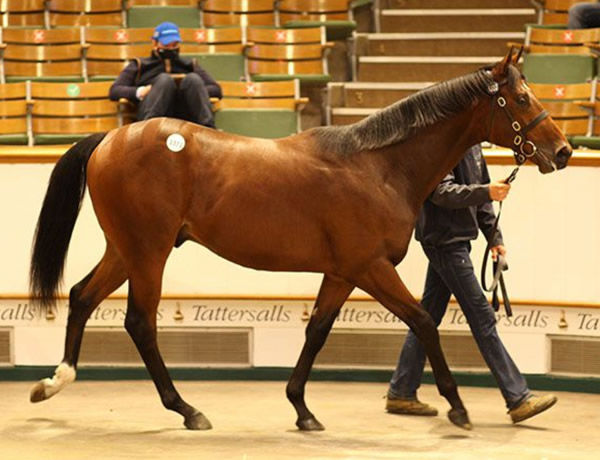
(158, 153)
(270, 204)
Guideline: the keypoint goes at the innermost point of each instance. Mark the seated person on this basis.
(152, 83)
(584, 16)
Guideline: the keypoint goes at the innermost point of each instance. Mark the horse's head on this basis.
(518, 120)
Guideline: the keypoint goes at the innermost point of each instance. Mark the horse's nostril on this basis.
(562, 157)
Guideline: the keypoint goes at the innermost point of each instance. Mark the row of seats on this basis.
(558, 40)
(561, 67)
(566, 86)
(34, 113)
(575, 108)
(228, 53)
(335, 14)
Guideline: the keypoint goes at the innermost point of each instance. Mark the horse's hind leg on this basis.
(140, 322)
(84, 297)
(332, 296)
(384, 284)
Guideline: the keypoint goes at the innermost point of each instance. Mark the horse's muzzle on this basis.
(562, 156)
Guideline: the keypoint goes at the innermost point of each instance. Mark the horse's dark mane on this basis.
(402, 119)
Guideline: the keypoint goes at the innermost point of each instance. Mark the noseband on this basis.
(526, 148)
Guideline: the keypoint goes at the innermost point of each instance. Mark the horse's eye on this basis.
(523, 100)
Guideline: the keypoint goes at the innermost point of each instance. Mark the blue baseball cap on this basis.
(166, 32)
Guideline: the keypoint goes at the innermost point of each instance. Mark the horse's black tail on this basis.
(66, 189)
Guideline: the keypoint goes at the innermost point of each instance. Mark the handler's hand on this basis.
(499, 190)
(143, 91)
(500, 249)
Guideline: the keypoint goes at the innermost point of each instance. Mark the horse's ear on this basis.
(519, 54)
(507, 61)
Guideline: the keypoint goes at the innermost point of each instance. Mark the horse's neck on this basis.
(433, 152)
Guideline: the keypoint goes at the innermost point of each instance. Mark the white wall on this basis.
(551, 225)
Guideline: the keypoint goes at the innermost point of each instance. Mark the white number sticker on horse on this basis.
(175, 142)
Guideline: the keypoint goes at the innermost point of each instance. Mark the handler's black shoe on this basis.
(409, 407)
(531, 406)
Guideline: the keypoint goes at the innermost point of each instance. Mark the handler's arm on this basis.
(450, 194)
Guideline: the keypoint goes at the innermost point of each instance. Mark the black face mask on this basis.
(168, 53)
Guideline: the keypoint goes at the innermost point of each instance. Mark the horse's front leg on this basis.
(332, 295)
(382, 281)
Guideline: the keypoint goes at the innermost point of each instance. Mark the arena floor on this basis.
(253, 420)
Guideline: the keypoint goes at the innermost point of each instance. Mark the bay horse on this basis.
(338, 200)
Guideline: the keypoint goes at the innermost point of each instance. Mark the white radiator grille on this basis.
(178, 347)
(380, 349)
(576, 355)
(5, 346)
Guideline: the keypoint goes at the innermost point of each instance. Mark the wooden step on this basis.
(418, 69)
(346, 116)
(370, 95)
(420, 4)
(456, 20)
(438, 44)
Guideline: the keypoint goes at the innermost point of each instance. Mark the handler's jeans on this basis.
(190, 101)
(450, 270)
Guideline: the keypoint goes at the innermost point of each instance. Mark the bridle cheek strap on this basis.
(526, 148)
(532, 124)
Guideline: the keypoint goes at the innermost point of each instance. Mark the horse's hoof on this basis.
(310, 424)
(197, 422)
(38, 392)
(460, 418)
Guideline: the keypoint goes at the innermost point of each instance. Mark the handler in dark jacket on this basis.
(451, 217)
(152, 84)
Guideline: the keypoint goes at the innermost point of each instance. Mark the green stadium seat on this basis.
(150, 13)
(219, 51)
(288, 54)
(260, 109)
(555, 12)
(575, 109)
(40, 54)
(559, 68)
(265, 123)
(589, 142)
(85, 13)
(558, 40)
(221, 66)
(566, 104)
(334, 15)
(62, 113)
(109, 50)
(22, 13)
(241, 13)
(148, 16)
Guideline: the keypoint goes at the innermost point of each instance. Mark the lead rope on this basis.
(500, 265)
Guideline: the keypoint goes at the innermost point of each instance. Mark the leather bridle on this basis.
(526, 148)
